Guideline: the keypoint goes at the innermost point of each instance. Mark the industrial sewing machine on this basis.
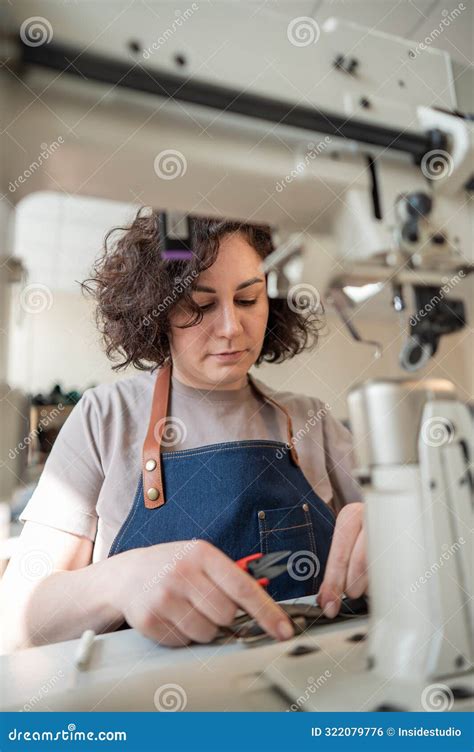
(358, 158)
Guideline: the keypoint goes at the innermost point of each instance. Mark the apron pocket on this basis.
(291, 529)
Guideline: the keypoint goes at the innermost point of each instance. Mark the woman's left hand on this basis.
(346, 569)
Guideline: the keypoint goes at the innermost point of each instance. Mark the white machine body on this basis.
(413, 441)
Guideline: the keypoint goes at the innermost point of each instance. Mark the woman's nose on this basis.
(228, 322)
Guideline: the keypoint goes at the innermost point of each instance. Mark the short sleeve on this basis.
(338, 448)
(67, 492)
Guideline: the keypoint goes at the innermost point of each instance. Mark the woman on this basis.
(222, 475)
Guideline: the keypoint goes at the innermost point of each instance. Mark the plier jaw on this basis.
(262, 566)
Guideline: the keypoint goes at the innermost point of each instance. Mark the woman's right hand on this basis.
(182, 592)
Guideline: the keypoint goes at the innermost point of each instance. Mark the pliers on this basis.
(261, 566)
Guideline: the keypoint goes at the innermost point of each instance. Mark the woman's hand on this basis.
(346, 569)
(184, 591)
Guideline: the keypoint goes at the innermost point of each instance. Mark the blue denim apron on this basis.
(243, 496)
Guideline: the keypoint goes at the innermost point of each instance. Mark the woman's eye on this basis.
(208, 306)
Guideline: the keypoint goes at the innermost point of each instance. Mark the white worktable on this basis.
(127, 672)
(126, 669)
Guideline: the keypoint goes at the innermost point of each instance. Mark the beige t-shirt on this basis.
(90, 478)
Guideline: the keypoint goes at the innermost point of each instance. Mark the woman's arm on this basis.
(50, 591)
(173, 593)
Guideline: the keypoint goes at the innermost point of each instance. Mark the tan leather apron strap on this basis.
(289, 425)
(153, 491)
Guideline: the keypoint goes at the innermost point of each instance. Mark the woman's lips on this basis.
(228, 357)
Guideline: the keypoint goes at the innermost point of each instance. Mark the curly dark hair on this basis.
(135, 290)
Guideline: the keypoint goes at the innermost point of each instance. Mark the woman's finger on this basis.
(356, 580)
(159, 629)
(346, 531)
(182, 614)
(246, 593)
(211, 601)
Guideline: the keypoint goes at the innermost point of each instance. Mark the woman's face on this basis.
(218, 352)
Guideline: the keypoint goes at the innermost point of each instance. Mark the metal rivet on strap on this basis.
(150, 465)
(305, 507)
(153, 494)
(261, 515)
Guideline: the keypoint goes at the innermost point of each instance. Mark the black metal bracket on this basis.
(97, 68)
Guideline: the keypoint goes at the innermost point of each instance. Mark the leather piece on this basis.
(289, 425)
(304, 616)
(152, 444)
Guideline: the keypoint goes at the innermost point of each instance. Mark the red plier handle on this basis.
(244, 564)
(262, 566)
